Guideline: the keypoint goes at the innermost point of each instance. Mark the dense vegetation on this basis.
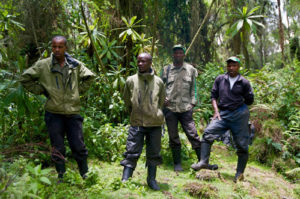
(107, 36)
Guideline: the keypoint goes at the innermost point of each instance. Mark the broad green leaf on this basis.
(245, 10)
(132, 20)
(258, 23)
(45, 180)
(253, 10)
(239, 25)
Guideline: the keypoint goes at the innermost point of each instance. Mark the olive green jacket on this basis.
(181, 87)
(43, 78)
(144, 95)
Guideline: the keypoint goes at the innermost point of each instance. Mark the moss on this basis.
(201, 190)
(293, 174)
(208, 175)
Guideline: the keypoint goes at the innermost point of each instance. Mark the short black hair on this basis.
(147, 55)
(60, 37)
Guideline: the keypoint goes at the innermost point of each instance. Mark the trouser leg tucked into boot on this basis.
(83, 168)
(205, 153)
(210, 166)
(151, 178)
(61, 169)
(127, 173)
(176, 153)
(241, 165)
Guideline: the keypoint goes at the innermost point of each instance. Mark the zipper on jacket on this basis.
(57, 82)
(151, 97)
(70, 82)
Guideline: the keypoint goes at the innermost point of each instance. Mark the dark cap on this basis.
(234, 59)
(179, 46)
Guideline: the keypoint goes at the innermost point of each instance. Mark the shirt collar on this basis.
(174, 67)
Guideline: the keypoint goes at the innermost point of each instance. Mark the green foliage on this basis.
(245, 21)
(205, 81)
(106, 142)
(24, 180)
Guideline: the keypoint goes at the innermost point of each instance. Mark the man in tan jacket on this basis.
(181, 97)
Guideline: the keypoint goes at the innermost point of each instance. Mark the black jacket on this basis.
(227, 99)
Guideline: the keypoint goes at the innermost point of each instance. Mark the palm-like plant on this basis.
(245, 24)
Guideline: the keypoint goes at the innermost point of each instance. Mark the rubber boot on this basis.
(241, 165)
(61, 169)
(83, 168)
(151, 178)
(127, 173)
(205, 153)
(176, 153)
(210, 166)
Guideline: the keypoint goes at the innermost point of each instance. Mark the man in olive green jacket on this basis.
(144, 96)
(181, 92)
(61, 79)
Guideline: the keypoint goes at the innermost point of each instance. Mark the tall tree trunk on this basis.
(236, 41)
(281, 33)
(154, 27)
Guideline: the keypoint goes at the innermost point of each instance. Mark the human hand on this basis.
(166, 102)
(216, 115)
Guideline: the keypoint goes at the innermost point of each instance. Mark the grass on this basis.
(104, 181)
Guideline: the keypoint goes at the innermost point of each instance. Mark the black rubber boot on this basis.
(151, 178)
(205, 153)
(241, 165)
(127, 173)
(176, 153)
(83, 168)
(61, 169)
(210, 166)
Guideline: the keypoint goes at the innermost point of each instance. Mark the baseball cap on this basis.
(179, 46)
(233, 58)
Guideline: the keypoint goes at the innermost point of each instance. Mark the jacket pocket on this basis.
(170, 81)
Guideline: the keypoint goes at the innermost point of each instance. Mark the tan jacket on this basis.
(144, 95)
(63, 98)
(181, 89)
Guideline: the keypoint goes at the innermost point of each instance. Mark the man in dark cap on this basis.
(231, 93)
(181, 97)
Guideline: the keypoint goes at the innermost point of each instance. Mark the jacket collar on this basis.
(227, 77)
(146, 76)
(69, 61)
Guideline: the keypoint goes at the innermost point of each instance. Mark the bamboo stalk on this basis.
(198, 31)
(91, 38)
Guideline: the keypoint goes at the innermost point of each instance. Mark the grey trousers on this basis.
(237, 122)
(135, 143)
(188, 125)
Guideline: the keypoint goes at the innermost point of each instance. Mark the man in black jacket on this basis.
(231, 93)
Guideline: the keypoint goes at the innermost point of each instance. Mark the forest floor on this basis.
(104, 181)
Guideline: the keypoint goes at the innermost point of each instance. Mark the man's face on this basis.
(144, 63)
(58, 48)
(233, 68)
(178, 56)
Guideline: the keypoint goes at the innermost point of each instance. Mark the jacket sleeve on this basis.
(194, 88)
(248, 93)
(30, 80)
(215, 89)
(127, 95)
(85, 77)
(162, 96)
